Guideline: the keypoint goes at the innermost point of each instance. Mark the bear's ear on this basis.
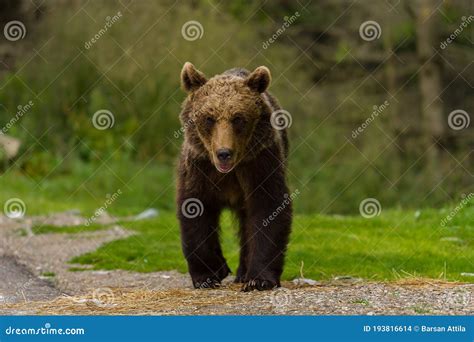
(259, 79)
(191, 78)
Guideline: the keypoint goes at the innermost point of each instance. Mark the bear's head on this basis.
(227, 117)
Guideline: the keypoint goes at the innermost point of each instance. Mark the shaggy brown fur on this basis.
(233, 158)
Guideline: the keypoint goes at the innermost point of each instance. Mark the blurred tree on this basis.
(431, 105)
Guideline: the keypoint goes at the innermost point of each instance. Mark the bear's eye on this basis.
(210, 121)
(238, 120)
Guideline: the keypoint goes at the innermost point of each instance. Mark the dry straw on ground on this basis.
(412, 296)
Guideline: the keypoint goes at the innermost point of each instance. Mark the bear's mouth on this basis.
(224, 167)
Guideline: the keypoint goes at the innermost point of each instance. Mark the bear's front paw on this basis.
(259, 284)
(208, 283)
(240, 276)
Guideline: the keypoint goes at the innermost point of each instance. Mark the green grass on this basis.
(87, 186)
(420, 310)
(393, 245)
(361, 301)
(48, 274)
(398, 243)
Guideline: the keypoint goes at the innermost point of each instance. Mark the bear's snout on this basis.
(224, 160)
(224, 154)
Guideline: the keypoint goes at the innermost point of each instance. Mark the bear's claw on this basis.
(207, 284)
(259, 284)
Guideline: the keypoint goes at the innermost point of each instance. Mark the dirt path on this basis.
(17, 284)
(26, 258)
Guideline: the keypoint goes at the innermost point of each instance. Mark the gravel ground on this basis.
(415, 298)
(26, 259)
(17, 284)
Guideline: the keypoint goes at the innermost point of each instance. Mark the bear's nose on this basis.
(224, 154)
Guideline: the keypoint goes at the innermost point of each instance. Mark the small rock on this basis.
(147, 214)
(304, 281)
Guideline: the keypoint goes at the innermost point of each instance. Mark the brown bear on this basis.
(233, 156)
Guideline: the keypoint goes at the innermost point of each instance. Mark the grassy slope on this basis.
(142, 186)
(396, 244)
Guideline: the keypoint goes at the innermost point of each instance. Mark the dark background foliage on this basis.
(324, 74)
